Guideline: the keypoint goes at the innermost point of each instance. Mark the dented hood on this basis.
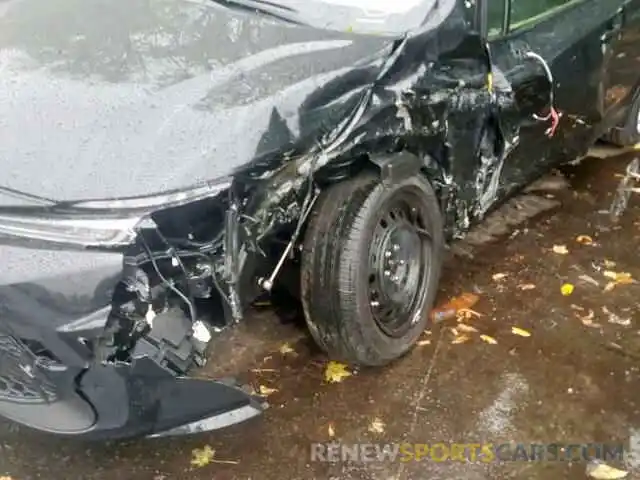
(117, 98)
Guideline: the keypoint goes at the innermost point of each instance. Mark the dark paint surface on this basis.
(120, 99)
(561, 385)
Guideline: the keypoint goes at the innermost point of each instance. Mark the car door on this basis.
(552, 49)
(621, 74)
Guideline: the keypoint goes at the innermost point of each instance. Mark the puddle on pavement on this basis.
(564, 383)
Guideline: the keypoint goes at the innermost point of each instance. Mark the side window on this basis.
(496, 12)
(524, 11)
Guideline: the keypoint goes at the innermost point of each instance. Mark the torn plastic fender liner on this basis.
(395, 167)
(142, 398)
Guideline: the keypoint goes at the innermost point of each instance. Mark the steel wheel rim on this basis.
(399, 264)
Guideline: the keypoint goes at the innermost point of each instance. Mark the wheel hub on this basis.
(399, 265)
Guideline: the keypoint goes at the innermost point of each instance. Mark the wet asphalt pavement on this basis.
(567, 382)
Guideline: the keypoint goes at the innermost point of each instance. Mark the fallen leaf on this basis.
(376, 426)
(463, 327)
(603, 471)
(588, 279)
(331, 431)
(609, 263)
(526, 286)
(499, 276)
(266, 391)
(584, 239)
(336, 372)
(466, 314)
(201, 457)
(285, 348)
(617, 319)
(610, 274)
(587, 320)
(619, 278)
(519, 331)
(422, 343)
(488, 339)
(453, 306)
(560, 249)
(577, 307)
(566, 289)
(461, 339)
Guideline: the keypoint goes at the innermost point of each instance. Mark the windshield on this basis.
(381, 17)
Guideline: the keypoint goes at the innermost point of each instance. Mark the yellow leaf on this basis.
(331, 431)
(376, 426)
(336, 372)
(560, 249)
(526, 286)
(499, 276)
(488, 339)
(619, 278)
(201, 457)
(285, 348)
(422, 343)
(266, 391)
(584, 239)
(602, 471)
(463, 327)
(609, 263)
(520, 331)
(566, 289)
(461, 339)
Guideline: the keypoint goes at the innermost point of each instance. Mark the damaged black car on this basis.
(164, 162)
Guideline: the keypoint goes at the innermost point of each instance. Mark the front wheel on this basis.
(371, 264)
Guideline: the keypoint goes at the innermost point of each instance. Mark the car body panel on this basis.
(160, 90)
(208, 132)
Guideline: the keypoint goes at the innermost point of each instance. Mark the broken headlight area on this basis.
(169, 301)
(191, 272)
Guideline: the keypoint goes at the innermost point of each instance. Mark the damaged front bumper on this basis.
(60, 368)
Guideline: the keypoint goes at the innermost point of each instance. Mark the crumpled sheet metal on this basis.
(431, 98)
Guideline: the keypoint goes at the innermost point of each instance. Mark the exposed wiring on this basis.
(553, 114)
(166, 282)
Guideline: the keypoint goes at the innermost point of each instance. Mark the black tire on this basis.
(336, 289)
(628, 134)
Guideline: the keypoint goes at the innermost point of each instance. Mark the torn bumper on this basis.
(52, 304)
